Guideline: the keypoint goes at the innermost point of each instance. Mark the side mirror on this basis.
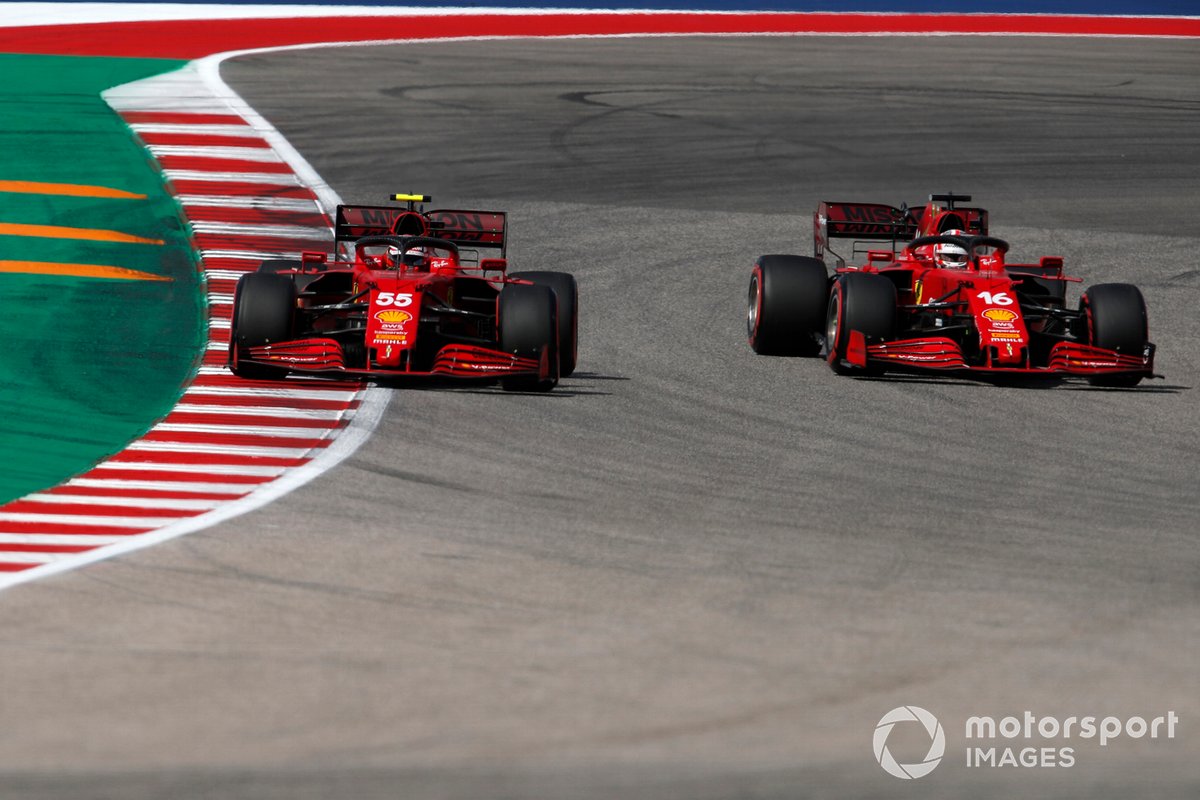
(313, 259)
(494, 264)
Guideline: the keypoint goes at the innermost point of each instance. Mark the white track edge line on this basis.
(374, 403)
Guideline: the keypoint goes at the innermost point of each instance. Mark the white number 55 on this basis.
(398, 299)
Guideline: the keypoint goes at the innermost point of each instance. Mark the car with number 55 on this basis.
(407, 293)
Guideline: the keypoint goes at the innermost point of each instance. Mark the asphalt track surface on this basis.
(691, 572)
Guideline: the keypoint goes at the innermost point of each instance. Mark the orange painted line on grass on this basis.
(79, 271)
(63, 232)
(68, 189)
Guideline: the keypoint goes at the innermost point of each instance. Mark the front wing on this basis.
(944, 354)
(320, 356)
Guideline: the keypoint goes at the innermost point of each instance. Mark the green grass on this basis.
(86, 364)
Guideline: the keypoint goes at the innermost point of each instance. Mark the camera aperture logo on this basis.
(937, 742)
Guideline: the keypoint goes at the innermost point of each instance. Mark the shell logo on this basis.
(393, 316)
(1000, 315)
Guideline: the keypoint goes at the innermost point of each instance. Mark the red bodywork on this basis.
(1006, 318)
(380, 311)
(1002, 335)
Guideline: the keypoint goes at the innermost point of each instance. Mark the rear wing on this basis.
(880, 222)
(871, 221)
(480, 229)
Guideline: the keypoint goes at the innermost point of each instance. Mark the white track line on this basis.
(197, 487)
(233, 201)
(70, 539)
(262, 154)
(91, 520)
(251, 229)
(216, 130)
(261, 411)
(246, 470)
(120, 501)
(250, 255)
(266, 178)
(251, 430)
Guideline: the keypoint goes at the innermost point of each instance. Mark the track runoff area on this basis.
(232, 445)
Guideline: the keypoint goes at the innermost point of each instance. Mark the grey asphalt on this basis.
(691, 572)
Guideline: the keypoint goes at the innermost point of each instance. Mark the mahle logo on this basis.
(937, 742)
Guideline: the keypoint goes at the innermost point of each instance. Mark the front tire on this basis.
(858, 302)
(786, 305)
(1117, 320)
(566, 291)
(264, 307)
(528, 323)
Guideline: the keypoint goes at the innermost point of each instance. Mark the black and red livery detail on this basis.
(407, 293)
(907, 308)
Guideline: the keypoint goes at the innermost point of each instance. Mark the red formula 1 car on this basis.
(941, 297)
(406, 294)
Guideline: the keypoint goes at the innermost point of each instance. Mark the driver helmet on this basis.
(415, 258)
(950, 255)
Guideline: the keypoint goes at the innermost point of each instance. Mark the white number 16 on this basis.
(995, 299)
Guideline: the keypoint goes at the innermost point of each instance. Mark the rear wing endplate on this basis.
(482, 229)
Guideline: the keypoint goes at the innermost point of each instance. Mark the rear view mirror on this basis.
(493, 264)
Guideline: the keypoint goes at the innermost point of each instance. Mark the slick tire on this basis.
(264, 307)
(785, 307)
(1117, 320)
(528, 322)
(861, 302)
(566, 291)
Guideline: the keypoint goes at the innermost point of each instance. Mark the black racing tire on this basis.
(528, 322)
(264, 309)
(862, 302)
(566, 290)
(1117, 320)
(785, 307)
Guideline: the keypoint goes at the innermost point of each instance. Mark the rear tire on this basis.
(264, 306)
(1117, 320)
(786, 305)
(861, 302)
(566, 291)
(528, 323)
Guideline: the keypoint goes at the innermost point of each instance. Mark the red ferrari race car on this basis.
(406, 294)
(941, 297)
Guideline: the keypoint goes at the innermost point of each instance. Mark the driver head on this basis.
(416, 259)
(949, 255)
